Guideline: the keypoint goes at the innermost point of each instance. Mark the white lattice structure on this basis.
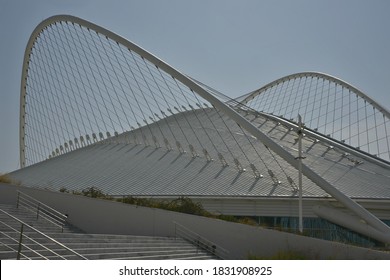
(330, 106)
(98, 110)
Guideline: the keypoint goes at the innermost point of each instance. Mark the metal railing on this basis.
(28, 248)
(199, 241)
(42, 210)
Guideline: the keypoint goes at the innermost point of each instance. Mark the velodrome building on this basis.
(307, 151)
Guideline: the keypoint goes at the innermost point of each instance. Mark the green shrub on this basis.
(64, 190)
(136, 201)
(282, 255)
(181, 204)
(4, 178)
(185, 205)
(95, 193)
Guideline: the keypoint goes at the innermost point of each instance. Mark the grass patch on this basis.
(282, 255)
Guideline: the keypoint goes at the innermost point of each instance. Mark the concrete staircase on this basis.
(91, 246)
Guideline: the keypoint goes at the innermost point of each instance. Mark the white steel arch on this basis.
(200, 92)
(247, 97)
(328, 105)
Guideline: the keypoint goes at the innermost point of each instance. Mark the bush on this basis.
(94, 193)
(181, 204)
(185, 205)
(136, 201)
(282, 255)
(4, 178)
(64, 190)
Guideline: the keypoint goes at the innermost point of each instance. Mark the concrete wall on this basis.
(102, 216)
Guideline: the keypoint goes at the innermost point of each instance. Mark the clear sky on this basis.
(232, 46)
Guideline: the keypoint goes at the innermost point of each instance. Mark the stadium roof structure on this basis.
(98, 110)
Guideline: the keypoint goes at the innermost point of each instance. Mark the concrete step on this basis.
(95, 238)
(113, 253)
(92, 246)
(107, 247)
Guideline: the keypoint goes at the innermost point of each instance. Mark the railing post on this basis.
(20, 243)
(38, 208)
(17, 201)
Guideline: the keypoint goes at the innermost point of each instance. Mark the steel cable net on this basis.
(331, 107)
(84, 88)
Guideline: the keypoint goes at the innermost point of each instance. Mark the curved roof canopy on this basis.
(84, 86)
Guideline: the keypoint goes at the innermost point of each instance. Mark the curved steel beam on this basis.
(249, 96)
(218, 104)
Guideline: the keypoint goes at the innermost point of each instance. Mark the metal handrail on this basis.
(42, 210)
(10, 248)
(20, 245)
(23, 224)
(200, 241)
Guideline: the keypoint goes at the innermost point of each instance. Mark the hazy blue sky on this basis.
(233, 46)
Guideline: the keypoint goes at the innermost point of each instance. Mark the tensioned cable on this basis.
(99, 90)
(289, 113)
(320, 106)
(121, 86)
(342, 114)
(55, 132)
(281, 102)
(103, 81)
(308, 96)
(80, 132)
(153, 97)
(235, 140)
(163, 96)
(147, 103)
(129, 103)
(120, 123)
(75, 101)
(388, 142)
(270, 172)
(327, 107)
(368, 140)
(72, 91)
(136, 101)
(232, 135)
(32, 133)
(178, 108)
(313, 108)
(195, 112)
(46, 79)
(90, 86)
(272, 101)
(78, 88)
(29, 116)
(216, 129)
(258, 154)
(174, 115)
(334, 109)
(33, 115)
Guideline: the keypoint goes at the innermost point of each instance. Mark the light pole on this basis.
(300, 135)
